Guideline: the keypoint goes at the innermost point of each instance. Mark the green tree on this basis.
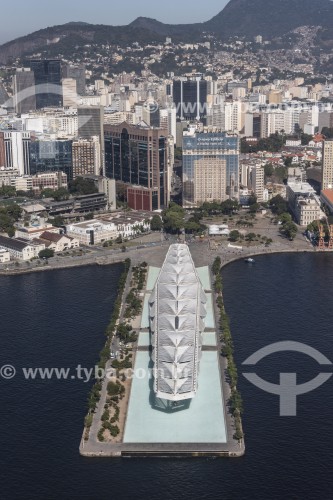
(251, 236)
(7, 191)
(46, 254)
(234, 235)
(285, 218)
(47, 193)
(254, 208)
(278, 205)
(290, 230)
(14, 211)
(9, 214)
(61, 194)
(156, 223)
(269, 170)
(229, 207)
(81, 186)
(216, 267)
(191, 226)
(306, 138)
(58, 221)
(173, 218)
(89, 216)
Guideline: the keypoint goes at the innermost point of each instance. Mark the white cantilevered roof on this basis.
(177, 311)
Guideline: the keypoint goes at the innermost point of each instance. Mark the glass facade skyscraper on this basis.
(48, 75)
(190, 98)
(24, 96)
(210, 146)
(51, 156)
(137, 156)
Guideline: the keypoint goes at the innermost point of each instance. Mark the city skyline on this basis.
(103, 13)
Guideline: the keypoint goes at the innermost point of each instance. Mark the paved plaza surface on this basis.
(202, 421)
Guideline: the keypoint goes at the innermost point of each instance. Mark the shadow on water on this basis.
(164, 405)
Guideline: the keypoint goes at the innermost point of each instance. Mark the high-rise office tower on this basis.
(327, 172)
(177, 309)
(17, 151)
(138, 156)
(69, 92)
(51, 156)
(209, 153)
(168, 120)
(151, 114)
(79, 75)
(86, 157)
(24, 96)
(91, 124)
(190, 98)
(48, 83)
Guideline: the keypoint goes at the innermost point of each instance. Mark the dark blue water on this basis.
(57, 319)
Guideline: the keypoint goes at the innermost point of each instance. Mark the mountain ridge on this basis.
(245, 18)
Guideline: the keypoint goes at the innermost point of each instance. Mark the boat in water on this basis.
(250, 260)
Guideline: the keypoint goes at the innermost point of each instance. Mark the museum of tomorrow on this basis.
(177, 310)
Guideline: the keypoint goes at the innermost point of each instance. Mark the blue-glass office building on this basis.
(203, 145)
(51, 156)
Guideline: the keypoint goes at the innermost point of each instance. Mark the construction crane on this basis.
(321, 240)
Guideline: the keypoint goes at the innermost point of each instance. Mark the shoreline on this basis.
(110, 259)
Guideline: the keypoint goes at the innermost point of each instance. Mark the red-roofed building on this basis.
(326, 197)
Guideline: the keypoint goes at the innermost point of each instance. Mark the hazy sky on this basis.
(22, 17)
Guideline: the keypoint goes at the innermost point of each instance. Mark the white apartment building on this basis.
(257, 182)
(32, 232)
(69, 90)
(327, 171)
(17, 151)
(168, 120)
(4, 256)
(307, 210)
(234, 120)
(119, 117)
(21, 249)
(303, 202)
(92, 232)
(272, 122)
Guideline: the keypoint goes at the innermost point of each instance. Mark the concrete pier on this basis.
(204, 428)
